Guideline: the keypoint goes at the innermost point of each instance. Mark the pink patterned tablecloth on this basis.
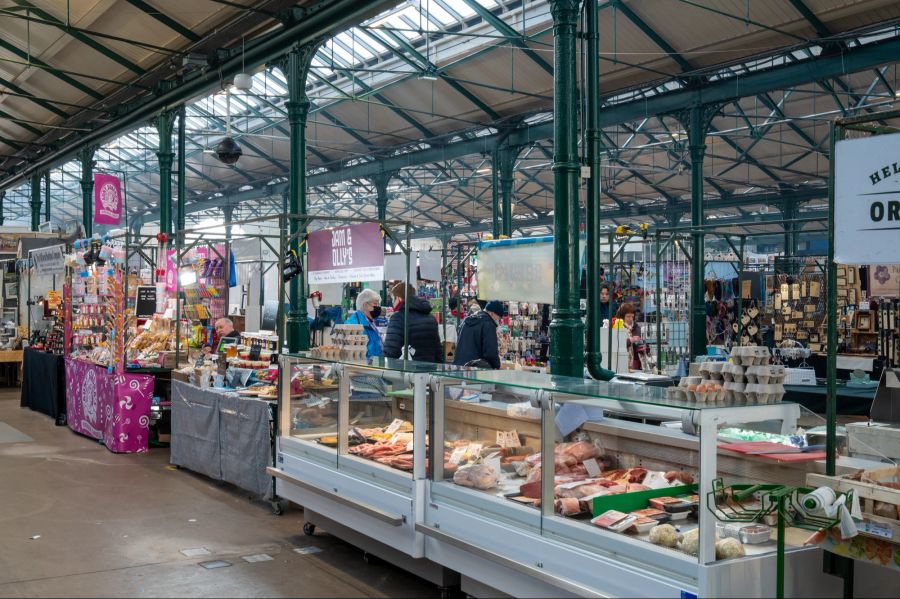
(112, 408)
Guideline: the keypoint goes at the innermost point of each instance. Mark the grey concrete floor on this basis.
(78, 521)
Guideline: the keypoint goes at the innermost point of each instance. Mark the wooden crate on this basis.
(868, 492)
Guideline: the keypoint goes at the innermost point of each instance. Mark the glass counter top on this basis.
(576, 388)
(381, 363)
(583, 389)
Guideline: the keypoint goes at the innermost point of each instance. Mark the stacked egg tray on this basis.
(352, 341)
(748, 377)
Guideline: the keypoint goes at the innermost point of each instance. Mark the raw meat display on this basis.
(580, 450)
(567, 506)
(478, 476)
(680, 476)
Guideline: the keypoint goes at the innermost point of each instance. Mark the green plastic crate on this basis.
(637, 500)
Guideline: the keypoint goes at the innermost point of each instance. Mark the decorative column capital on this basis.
(565, 12)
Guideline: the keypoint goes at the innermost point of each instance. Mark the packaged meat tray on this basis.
(612, 518)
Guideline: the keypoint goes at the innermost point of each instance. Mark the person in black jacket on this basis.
(424, 340)
(477, 337)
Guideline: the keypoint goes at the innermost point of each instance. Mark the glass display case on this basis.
(352, 452)
(628, 510)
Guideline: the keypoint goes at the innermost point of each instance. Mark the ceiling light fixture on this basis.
(429, 74)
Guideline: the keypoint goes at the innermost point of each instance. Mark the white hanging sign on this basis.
(49, 260)
(867, 200)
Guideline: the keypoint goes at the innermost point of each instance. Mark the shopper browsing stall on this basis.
(368, 308)
(605, 304)
(477, 337)
(424, 339)
(626, 314)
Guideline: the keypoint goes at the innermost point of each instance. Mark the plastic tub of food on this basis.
(642, 525)
(754, 534)
(659, 516)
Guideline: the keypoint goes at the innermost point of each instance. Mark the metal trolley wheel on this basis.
(279, 506)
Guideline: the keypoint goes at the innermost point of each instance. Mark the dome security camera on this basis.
(228, 151)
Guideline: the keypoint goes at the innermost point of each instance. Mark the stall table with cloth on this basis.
(114, 408)
(43, 384)
(224, 436)
(11, 359)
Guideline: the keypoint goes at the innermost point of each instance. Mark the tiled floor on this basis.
(77, 520)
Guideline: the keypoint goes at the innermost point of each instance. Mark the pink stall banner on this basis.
(108, 199)
(112, 408)
(346, 254)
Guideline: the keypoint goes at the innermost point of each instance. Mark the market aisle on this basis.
(115, 525)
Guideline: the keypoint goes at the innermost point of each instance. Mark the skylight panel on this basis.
(434, 9)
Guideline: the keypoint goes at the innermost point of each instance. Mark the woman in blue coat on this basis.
(368, 308)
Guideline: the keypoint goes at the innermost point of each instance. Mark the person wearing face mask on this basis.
(368, 308)
(422, 330)
(477, 337)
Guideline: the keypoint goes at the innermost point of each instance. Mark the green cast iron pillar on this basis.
(164, 124)
(296, 69)
(495, 193)
(36, 201)
(696, 121)
(2, 197)
(86, 157)
(47, 196)
(789, 212)
(506, 164)
(381, 181)
(566, 330)
(182, 182)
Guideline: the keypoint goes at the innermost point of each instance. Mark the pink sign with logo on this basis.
(108, 199)
(346, 254)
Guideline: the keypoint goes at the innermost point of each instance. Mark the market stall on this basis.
(43, 384)
(225, 435)
(483, 509)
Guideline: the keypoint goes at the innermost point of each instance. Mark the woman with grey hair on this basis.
(368, 308)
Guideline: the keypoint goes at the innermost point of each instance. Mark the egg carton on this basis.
(750, 355)
(734, 391)
(353, 354)
(766, 374)
(763, 394)
(692, 394)
(712, 370)
(352, 341)
(734, 373)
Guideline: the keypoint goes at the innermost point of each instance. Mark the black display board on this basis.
(146, 301)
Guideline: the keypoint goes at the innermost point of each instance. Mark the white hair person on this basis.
(367, 296)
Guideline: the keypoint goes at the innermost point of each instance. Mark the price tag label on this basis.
(508, 439)
(878, 529)
(493, 461)
(409, 446)
(592, 467)
(457, 455)
(393, 427)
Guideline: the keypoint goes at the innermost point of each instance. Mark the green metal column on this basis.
(47, 196)
(164, 124)
(506, 164)
(495, 193)
(182, 183)
(2, 197)
(566, 330)
(697, 125)
(298, 61)
(36, 201)
(381, 181)
(593, 356)
(86, 156)
(837, 133)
